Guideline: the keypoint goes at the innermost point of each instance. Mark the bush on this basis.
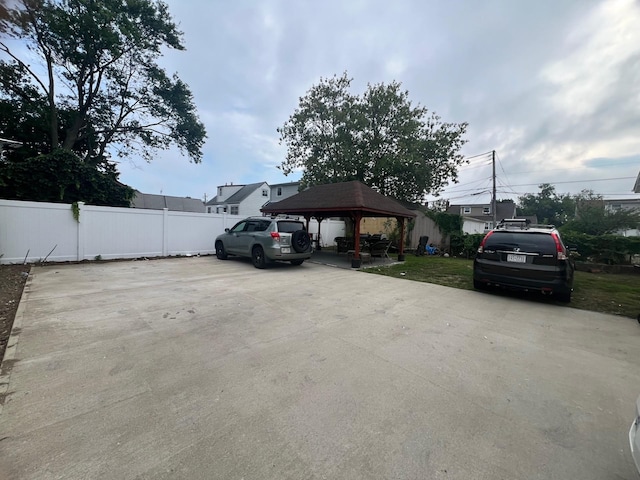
(609, 249)
(465, 245)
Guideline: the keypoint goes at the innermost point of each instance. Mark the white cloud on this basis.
(547, 84)
(608, 38)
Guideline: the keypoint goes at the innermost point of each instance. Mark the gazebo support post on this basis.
(318, 247)
(308, 219)
(356, 261)
(401, 246)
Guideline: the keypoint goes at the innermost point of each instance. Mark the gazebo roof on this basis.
(339, 200)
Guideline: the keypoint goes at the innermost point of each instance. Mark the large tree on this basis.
(593, 218)
(379, 138)
(547, 205)
(89, 83)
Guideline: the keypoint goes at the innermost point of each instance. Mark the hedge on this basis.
(609, 249)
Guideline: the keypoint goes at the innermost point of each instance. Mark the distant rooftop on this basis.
(160, 202)
(239, 196)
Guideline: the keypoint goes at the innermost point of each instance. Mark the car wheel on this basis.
(297, 262)
(220, 251)
(480, 285)
(564, 297)
(300, 241)
(257, 257)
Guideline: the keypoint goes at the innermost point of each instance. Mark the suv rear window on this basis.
(541, 243)
(289, 226)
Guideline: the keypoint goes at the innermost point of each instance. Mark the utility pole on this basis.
(493, 201)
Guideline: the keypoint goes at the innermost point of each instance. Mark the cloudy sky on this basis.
(553, 86)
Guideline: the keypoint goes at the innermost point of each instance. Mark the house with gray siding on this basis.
(244, 200)
(478, 217)
(628, 204)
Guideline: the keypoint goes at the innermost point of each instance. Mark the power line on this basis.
(466, 169)
(478, 155)
(571, 169)
(572, 181)
(454, 190)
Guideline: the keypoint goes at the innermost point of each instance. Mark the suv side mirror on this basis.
(226, 230)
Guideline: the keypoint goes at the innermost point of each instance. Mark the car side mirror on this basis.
(226, 230)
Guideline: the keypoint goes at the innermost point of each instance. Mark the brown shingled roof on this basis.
(339, 200)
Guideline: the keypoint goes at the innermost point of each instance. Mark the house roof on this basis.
(159, 202)
(286, 184)
(623, 201)
(504, 209)
(237, 197)
(337, 200)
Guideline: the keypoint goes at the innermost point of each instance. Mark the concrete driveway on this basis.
(197, 368)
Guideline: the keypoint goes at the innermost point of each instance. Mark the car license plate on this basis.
(516, 258)
(285, 250)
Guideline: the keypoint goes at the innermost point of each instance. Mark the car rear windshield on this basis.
(541, 243)
(289, 226)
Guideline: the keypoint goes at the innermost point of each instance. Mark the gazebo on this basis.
(348, 199)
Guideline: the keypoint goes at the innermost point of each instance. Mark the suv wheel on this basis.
(257, 257)
(480, 285)
(220, 251)
(300, 241)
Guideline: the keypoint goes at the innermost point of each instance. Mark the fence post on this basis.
(165, 232)
(81, 233)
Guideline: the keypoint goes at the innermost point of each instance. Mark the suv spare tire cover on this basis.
(300, 241)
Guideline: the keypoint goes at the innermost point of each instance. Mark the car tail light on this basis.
(484, 240)
(562, 253)
(275, 236)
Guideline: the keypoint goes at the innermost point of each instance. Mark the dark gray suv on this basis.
(525, 257)
(265, 240)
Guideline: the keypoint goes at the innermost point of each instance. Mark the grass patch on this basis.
(618, 294)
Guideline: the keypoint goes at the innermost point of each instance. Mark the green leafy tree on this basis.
(96, 88)
(378, 138)
(63, 177)
(548, 206)
(593, 218)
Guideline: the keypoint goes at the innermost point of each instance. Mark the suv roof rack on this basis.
(521, 223)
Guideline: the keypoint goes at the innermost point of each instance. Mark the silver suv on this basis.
(265, 240)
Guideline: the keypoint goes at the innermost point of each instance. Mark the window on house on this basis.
(208, 209)
(279, 191)
(486, 210)
(234, 210)
(488, 225)
(265, 193)
(616, 206)
(224, 209)
(466, 210)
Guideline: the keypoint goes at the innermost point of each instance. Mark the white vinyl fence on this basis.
(35, 231)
